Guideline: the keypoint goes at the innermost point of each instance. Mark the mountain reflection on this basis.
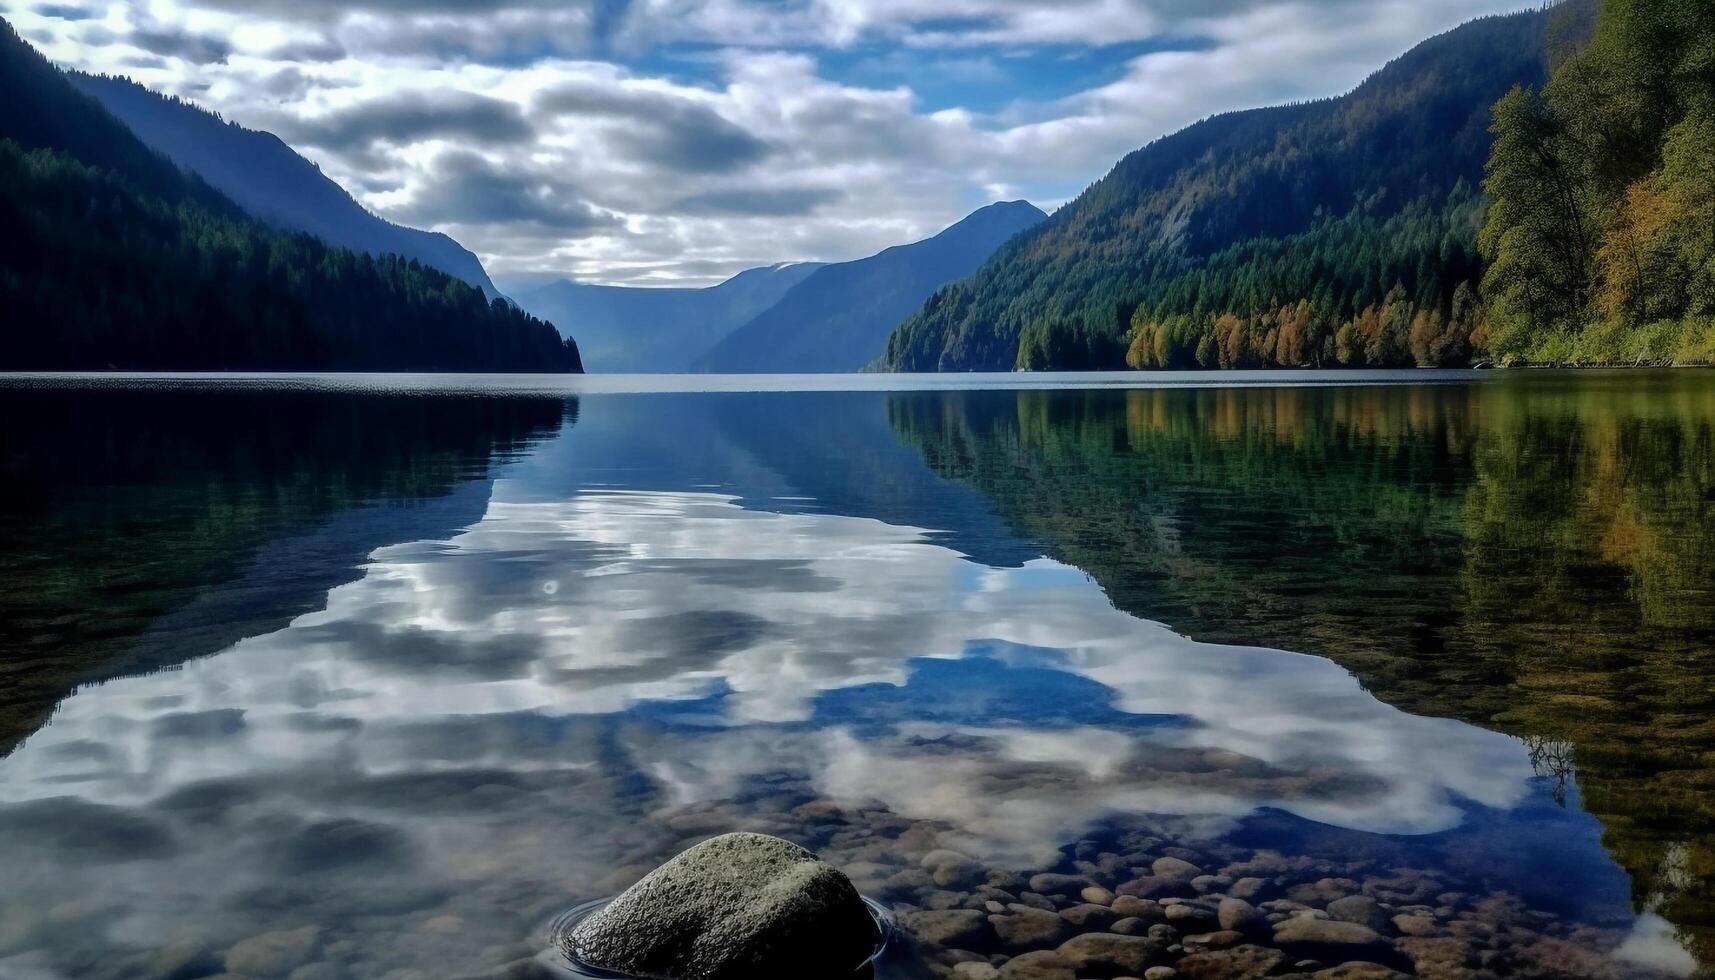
(694, 614)
(141, 528)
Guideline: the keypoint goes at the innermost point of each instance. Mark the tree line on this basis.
(112, 257)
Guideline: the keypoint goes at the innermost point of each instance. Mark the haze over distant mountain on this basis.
(631, 329)
(839, 317)
(1338, 230)
(268, 179)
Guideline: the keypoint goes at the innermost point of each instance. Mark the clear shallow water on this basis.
(357, 683)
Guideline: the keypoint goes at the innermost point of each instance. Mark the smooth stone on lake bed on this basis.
(738, 907)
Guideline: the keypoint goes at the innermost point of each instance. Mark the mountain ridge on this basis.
(632, 329)
(1186, 227)
(262, 174)
(839, 317)
(116, 258)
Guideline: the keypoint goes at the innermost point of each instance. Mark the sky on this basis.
(676, 142)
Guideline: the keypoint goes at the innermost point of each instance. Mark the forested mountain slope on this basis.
(839, 317)
(631, 329)
(1302, 234)
(113, 257)
(268, 179)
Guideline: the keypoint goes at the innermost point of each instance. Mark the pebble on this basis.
(1130, 906)
(1108, 954)
(1042, 965)
(1028, 928)
(1220, 939)
(1058, 884)
(1415, 925)
(1097, 895)
(1089, 917)
(1190, 916)
(1333, 941)
(1238, 963)
(953, 927)
(1157, 886)
(1323, 891)
(942, 900)
(1240, 916)
(1129, 927)
(1361, 909)
(1172, 867)
(1251, 889)
(1359, 970)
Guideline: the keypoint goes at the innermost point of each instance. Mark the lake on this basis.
(370, 677)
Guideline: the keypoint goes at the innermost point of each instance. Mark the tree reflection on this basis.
(1535, 554)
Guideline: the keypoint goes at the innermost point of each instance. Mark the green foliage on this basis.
(1601, 240)
(114, 258)
(1329, 204)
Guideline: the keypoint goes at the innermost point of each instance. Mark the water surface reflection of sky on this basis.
(478, 730)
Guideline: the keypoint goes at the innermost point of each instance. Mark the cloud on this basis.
(63, 11)
(415, 116)
(466, 188)
(201, 49)
(669, 131)
(167, 41)
(311, 50)
(685, 140)
(758, 202)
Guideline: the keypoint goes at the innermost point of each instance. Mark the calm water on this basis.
(356, 683)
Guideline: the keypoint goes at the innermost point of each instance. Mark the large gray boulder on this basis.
(738, 907)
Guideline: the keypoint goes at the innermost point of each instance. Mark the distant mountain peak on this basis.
(839, 317)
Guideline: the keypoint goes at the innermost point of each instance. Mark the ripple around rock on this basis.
(738, 907)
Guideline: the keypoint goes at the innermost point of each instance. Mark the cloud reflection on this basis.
(504, 711)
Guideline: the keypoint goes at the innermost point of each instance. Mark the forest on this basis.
(114, 258)
(1600, 241)
(1525, 189)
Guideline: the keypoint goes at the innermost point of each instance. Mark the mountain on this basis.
(629, 329)
(265, 177)
(111, 256)
(839, 317)
(1337, 230)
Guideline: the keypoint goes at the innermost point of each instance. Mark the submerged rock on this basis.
(738, 907)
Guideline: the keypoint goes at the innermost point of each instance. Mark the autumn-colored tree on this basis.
(1230, 339)
(1140, 356)
(1635, 264)
(1349, 345)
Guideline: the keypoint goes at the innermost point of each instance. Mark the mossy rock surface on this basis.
(738, 907)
